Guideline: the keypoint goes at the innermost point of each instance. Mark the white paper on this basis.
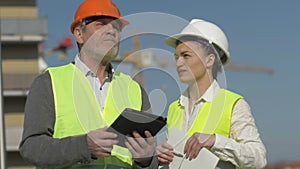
(204, 160)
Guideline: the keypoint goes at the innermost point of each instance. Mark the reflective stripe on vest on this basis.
(78, 111)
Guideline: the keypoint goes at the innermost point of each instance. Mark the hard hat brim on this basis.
(172, 40)
(123, 21)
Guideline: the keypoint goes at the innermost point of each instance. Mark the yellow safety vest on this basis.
(78, 112)
(213, 118)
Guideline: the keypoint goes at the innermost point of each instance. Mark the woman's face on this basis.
(191, 62)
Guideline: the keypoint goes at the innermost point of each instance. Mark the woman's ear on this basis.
(78, 35)
(210, 60)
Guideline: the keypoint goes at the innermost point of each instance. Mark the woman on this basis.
(212, 117)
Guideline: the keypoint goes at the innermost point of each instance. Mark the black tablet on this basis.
(131, 120)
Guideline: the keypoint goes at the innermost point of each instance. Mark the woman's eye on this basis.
(185, 56)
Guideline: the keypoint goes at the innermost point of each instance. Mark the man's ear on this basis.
(78, 35)
(210, 60)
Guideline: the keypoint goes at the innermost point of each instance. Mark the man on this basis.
(69, 107)
(212, 117)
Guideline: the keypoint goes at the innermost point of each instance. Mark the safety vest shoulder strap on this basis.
(74, 101)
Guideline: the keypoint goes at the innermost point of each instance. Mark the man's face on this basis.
(100, 39)
(190, 62)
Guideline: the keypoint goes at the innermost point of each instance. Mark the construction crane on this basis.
(232, 66)
(139, 62)
(140, 58)
(60, 49)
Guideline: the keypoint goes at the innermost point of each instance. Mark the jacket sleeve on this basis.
(146, 106)
(244, 148)
(153, 165)
(38, 147)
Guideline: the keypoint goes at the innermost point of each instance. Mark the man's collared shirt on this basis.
(99, 89)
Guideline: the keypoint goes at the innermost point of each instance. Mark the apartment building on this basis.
(22, 30)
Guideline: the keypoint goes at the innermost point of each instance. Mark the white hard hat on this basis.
(205, 30)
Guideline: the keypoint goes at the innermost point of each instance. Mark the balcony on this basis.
(25, 30)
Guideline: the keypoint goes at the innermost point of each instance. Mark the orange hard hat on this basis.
(97, 8)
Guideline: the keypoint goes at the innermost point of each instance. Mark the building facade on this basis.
(22, 30)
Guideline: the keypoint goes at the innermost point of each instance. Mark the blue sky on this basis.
(259, 32)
